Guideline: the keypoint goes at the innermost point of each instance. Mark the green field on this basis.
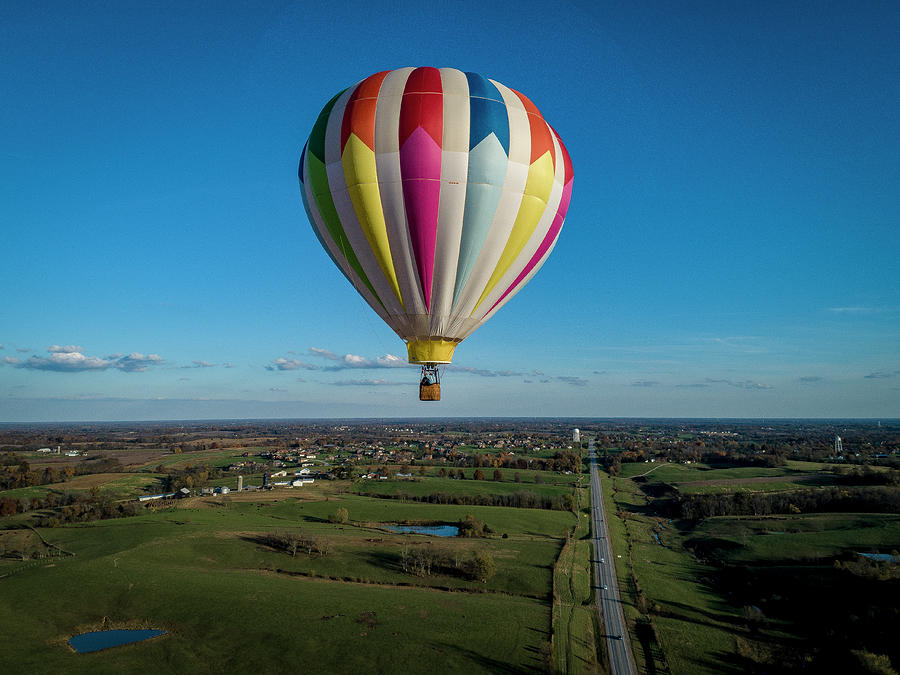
(425, 486)
(738, 594)
(681, 623)
(801, 537)
(205, 573)
(699, 478)
(113, 485)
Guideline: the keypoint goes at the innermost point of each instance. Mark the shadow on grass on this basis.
(494, 665)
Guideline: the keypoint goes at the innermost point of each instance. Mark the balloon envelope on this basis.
(438, 194)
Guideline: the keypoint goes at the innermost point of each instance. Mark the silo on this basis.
(240, 483)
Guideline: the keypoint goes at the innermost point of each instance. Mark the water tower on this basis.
(838, 446)
(576, 436)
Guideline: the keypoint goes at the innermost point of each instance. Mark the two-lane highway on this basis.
(608, 601)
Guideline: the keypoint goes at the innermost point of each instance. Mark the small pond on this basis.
(434, 530)
(879, 557)
(103, 639)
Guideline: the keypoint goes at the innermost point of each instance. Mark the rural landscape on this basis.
(404, 338)
(439, 546)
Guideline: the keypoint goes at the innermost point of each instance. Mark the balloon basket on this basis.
(429, 392)
(430, 384)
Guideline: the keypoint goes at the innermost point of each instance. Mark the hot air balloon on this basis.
(438, 194)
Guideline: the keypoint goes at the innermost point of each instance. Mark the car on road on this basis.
(602, 560)
(603, 587)
(617, 637)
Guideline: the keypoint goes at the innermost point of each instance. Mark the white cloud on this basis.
(351, 361)
(282, 363)
(71, 358)
(65, 349)
(137, 362)
(200, 364)
(391, 361)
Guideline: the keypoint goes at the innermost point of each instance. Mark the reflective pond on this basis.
(879, 557)
(103, 639)
(435, 530)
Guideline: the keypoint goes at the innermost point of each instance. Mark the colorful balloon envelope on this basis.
(439, 194)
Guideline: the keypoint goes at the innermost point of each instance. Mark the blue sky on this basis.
(731, 249)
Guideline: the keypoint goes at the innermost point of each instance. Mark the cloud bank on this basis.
(71, 359)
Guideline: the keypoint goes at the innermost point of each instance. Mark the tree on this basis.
(340, 516)
(874, 663)
(478, 475)
(442, 473)
(470, 527)
(7, 506)
(497, 475)
(482, 566)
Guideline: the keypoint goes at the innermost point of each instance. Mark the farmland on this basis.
(214, 571)
(745, 592)
(724, 540)
(203, 573)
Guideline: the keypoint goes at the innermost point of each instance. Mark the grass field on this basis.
(115, 485)
(733, 594)
(575, 648)
(429, 485)
(701, 478)
(800, 537)
(681, 623)
(205, 574)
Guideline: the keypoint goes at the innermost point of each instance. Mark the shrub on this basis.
(482, 566)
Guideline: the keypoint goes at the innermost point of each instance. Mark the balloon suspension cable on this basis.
(431, 373)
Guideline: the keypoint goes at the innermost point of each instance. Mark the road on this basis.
(617, 642)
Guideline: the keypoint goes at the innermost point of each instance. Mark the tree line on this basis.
(523, 499)
(877, 499)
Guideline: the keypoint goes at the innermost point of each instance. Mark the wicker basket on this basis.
(430, 392)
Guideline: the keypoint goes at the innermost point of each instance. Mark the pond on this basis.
(879, 557)
(435, 530)
(103, 639)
